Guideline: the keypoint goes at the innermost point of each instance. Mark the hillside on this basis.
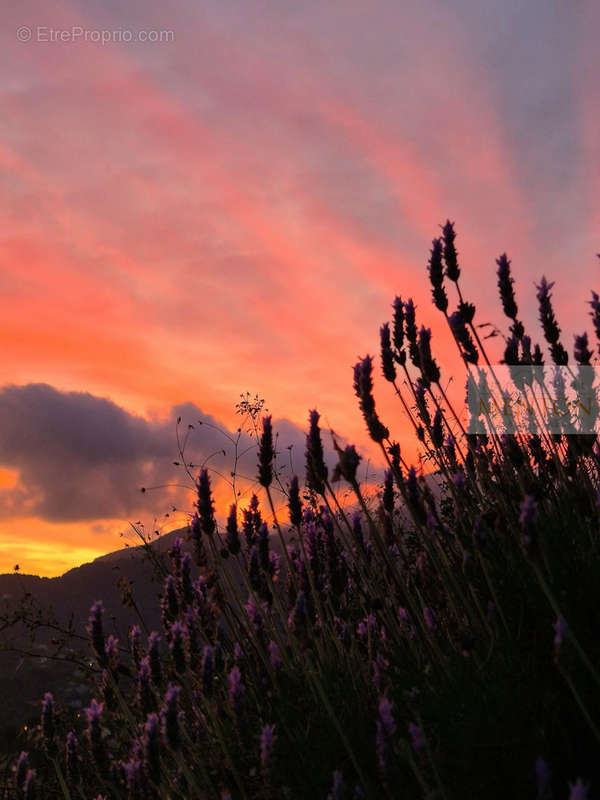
(24, 678)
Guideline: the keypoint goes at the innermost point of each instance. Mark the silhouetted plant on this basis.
(441, 642)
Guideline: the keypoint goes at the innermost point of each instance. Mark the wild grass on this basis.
(443, 643)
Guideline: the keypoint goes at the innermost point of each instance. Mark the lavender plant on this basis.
(440, 644)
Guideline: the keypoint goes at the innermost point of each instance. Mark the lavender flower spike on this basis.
(48, 716)
(267, 742)
(542, 777)
(387, 354)
(236, 691)
(450, 254)
(316, 469)
(338, 791)
(595, 314)
(206, 510)
(416, 734)
(528, 519)
(266, 454)
(152, 747)
(579, 790)
(94, 729)
(20, 769)
(29, 785)
(96, 631)
(170, 717)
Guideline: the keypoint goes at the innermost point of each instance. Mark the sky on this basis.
(227, 196)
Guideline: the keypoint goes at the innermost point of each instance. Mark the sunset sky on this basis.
(235, 209)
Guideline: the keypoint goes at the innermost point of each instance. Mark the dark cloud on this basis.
(81, 457)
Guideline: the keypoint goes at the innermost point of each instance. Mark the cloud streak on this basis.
(80, 458)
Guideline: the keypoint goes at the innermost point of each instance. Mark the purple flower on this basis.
(207, 669)
(238, 654)
(20, 769)
(151, 746)
(428, 617)
(274, 656)
(186, 578)
(132, 770)
(549, 323)
(236, 691)
(450, 254)
(387, 354)
(297, 619)
(459, 480)
(462, 335)
(380, 664)
(112, 652)
(263, 546)
(170, 717)
(385, 716)
(135, 644)
(266, 454)
(255, 615)
(398, 329)
(429, 367)
(206, 511)
(436, 276)
(581, 351)
(416, 734)
(169, 603)
(232, 537)
(177, 646)
(175, 554)
(154, 657)
(316, 469)
(48, 716)
(595, 313)
(528, 520)
(560, 631)
(411, 331)
(542, 776)
(386, 728)
(145, 694)
(96, 630)
(348, 461)
(196, 535)
(363, 387)
(29, 785)
(267, 742)
(94, 729)
(338, 791)
(294, 502)
(505, 286)
(579, 790)
(72, 755)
